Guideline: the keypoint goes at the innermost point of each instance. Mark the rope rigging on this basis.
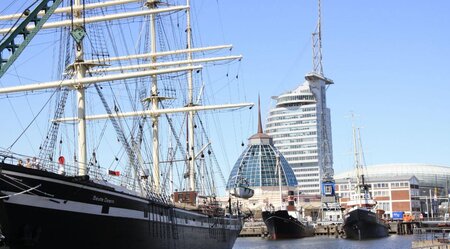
(133, 158)
(131, 133)
(32, 121)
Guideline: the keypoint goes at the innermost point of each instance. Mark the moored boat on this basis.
(361, 218)
(281, 225)
(285, 223)
(362, 223)
(40, 209)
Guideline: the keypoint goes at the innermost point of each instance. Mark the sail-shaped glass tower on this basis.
(300, 126)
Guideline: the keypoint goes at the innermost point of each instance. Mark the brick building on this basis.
(392, 194)
(434, 183)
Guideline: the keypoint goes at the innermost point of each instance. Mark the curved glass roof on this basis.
(428, 174)
(257, 164)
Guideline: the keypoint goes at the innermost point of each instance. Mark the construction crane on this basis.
(10, 41)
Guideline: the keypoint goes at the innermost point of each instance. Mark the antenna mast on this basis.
(317, 45)
(319, 91)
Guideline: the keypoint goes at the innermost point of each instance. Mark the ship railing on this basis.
(431, 234)
(62, 167)
(95, 172)
(439, 218)
(159, 198)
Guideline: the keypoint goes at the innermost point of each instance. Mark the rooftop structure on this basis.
(429, 175)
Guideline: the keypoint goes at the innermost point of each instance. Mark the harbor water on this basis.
(324, 242)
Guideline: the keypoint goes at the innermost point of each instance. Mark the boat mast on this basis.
(278, 165)
(171, 158)
(191, 143)
(80, 69)
(361, 186)
(365, 187)
(81, 66)
(152, 4)
(356, 158)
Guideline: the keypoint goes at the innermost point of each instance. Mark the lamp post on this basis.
(448, 207)
(448, 198)
(431, 204)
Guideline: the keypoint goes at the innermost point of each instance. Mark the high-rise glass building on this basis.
(300, 126)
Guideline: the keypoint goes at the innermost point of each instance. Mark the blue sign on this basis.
(397, 215)
(328, 188)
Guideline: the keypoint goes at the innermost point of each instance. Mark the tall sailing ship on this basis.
(54, 201)
(361, 218)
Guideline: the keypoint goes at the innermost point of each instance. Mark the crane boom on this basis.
(9, 43)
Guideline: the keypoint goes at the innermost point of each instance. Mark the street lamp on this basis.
(448, 207)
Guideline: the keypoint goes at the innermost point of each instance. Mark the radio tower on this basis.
(317, 45)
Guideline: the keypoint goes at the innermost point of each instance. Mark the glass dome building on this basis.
(257, 164)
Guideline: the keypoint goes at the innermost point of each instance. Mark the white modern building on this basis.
(300, 126)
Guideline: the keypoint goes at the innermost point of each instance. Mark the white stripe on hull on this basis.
(93, 209)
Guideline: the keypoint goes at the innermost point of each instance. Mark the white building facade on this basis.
(300, 126)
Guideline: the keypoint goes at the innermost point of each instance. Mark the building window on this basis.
(400, 185)
(380, 185)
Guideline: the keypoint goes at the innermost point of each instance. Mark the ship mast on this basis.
(278, 166)
(81, 66)
(362, 189)
(152, 4)
(80, 69)
(191, 137)
(356, 158)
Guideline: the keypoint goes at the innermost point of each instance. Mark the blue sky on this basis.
(388, 59)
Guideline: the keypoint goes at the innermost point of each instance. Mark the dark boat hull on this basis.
(65, 212)
(281, 225)
(360, 224)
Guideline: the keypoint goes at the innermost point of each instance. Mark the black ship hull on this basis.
(43, 210)
(281, 225)
(360, 224)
